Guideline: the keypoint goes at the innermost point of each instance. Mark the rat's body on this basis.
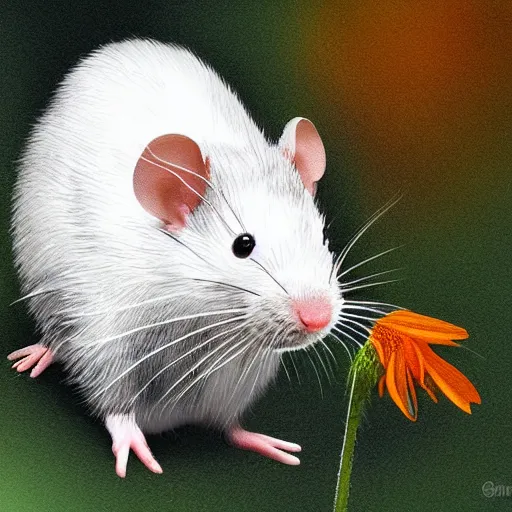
(102, 271)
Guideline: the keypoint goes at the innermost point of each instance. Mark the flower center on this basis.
(389, 340)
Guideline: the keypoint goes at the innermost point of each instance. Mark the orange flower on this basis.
(402, 340)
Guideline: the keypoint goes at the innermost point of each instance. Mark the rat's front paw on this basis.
(37, 356)
(127, 435)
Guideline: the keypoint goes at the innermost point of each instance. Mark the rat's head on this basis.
(254, 236)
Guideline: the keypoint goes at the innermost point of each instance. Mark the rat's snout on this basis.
(313, 314)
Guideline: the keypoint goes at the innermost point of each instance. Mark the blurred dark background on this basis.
(407, 95)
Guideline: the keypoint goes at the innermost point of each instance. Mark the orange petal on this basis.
(396, 382)
(376, 342)
(423, 327)
(382, 381)
(428, 388)
(413, 358)
(450, 381)
(412, 400)
(421, 375)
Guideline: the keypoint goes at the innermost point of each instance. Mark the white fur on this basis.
(79, 230)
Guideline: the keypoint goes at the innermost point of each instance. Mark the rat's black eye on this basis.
(243, 245)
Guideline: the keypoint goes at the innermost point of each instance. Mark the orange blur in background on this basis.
(423, 89)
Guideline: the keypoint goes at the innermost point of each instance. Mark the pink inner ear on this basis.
(302, 144)
(169, 178)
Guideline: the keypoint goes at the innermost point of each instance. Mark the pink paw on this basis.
(264, 445)
(127, 435)
(36, 356)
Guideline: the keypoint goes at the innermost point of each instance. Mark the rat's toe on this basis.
(37, 357)
(265, 445)
(126, 436)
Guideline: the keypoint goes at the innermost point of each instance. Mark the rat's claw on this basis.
(264, 445)
(37, 356)
(127, 435)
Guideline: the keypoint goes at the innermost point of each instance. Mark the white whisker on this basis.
(361, 317)
(207, 181)
(220, 283)
(263, 347)
(261, 365)
(167, 322)
(343, 344)
(369, 285)
(283, 364)
(371, 276)
(172, 363)
(341, 331)
(362, 308)
(473, 352)
(359, 324)
(327, 374)
(270, 275)
(286, 354)
(316, 372)
(198, 364)
(70, 312)
(373, 303)
(210, 370)
(255, 358)
(326, 347)
(355, 331)
(295, 367)
(163, 347)
(192, 189)
(381, 211)
(367, 260)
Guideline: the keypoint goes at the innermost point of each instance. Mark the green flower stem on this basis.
(355, 407)
(364, 373)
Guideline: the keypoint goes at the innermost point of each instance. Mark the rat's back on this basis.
(74, 197)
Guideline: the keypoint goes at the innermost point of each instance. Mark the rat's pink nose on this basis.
(314, 315)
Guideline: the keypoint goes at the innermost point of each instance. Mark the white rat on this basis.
(168, 250)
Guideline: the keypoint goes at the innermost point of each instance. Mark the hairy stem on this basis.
(355, 408)
(364, 373)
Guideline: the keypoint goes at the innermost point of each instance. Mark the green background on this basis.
(407, 95)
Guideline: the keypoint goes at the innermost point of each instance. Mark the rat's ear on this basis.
(161, 185)
(302, 145)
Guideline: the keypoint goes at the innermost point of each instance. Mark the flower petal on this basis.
(411, 397)
(382, 381)
(423, 327)
(455, 385)
(396, 382)
(377, 344)
(427, 386)
(417, 358)
(414, 358)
